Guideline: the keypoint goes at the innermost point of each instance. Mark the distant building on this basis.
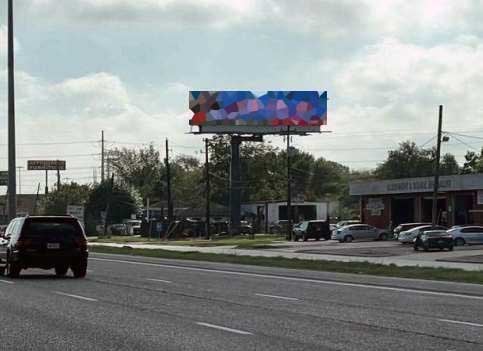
(396, 201)
(27, 204)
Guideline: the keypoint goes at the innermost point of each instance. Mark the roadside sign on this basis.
(3, 178)
(45, 165)
(76, 211)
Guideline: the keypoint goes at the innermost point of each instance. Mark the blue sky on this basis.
(126, 67)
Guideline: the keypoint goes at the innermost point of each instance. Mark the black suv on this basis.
(312, 229)
(44, 242)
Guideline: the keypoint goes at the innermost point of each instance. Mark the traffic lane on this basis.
(43, 319)
(295, 331)
(199, 266)
(226, 299)
(452, 302)
(414, 312)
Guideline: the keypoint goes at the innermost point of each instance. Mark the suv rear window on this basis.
(51, 228)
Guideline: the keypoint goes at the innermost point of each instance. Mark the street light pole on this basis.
(12, 186)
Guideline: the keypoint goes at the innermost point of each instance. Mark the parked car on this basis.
(467, 235)
(246, 228)
(433, 239)
(278, 227)
(316, 229)
(405, 227)
(45, 242)
(359, 231)
(347, 222)
(408, 236)
(117, 229)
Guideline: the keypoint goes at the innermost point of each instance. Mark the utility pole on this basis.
(102, 156)
(108, 205)
(19, 180)
(46, 182)
(12, 186)
(207, 170)
(168, 180)
(289, 189)
(436, 169)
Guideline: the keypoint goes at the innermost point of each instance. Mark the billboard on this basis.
(45, 165)
(269, 112)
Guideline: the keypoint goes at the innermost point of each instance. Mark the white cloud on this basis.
(77, 109)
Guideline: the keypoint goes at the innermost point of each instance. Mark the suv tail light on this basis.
(81, 244)
(23, 244)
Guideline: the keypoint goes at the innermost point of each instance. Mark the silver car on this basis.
(359, 231)
(467, 235)
(408, 236)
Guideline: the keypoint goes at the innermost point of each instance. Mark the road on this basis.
(133, 303)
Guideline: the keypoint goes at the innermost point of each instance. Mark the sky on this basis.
(126, 67)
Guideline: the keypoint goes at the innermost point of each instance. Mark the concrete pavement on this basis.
(128, 303)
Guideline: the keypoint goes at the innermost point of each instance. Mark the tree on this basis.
(411, 161)
(139, 169)
(473, 162)
(121, 204)
(56, 202)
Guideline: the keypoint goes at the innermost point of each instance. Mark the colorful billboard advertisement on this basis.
(268, 112)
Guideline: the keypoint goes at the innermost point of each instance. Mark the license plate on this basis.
(53, 246)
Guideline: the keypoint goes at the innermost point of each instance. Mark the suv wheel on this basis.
(348, 238)
(61, 270)
(12, 270)
(304, 237)
(79, 268)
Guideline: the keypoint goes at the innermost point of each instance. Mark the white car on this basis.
(359, 231)
(408, 236)
(467, 235)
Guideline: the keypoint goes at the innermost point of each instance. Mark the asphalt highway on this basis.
(133, 303)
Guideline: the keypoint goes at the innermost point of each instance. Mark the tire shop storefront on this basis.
(388, 203)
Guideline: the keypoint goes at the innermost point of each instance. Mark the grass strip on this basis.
(427, 273)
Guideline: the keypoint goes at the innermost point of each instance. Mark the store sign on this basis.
(77, 212)
(418, 185)
(3, 178)
(45, 165)
(375, 206)
(480, 197)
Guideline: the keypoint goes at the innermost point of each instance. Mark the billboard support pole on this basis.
(235, 191)
(12, 186)
(289, 189)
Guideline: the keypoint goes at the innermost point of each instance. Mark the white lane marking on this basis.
(76, 296)
(236, 331)
(6, 282)
(459, 322)
(160, 280)
(305, 280)
(278, 297)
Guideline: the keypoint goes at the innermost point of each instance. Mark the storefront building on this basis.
(386, 203)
